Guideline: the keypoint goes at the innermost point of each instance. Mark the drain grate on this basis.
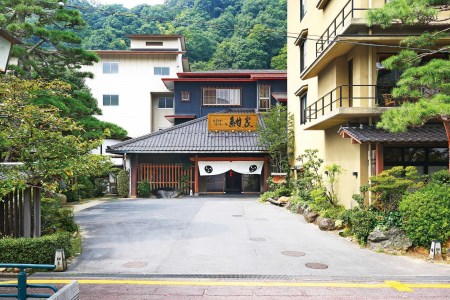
(135, 264)
(257, 239)
(293, 253)
(316, 266)
(237, 216)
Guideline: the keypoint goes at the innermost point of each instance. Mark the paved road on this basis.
(225, 236)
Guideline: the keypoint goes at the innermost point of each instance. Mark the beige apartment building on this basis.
(338, 88)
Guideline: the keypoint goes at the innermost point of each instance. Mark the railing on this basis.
(341, 96)
(22, 285)
(339, 22)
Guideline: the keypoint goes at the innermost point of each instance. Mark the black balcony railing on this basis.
(340, 21)
(344, 96)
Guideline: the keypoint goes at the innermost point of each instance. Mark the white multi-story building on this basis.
(127, 83)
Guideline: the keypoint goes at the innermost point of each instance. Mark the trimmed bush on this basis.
(85, 187)
(56, 218)
(361, 222)
(35, 250)
(426, 214)
(143, 189)
(123, 189)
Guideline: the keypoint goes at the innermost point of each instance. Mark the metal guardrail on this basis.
(344, 16)
(22, 285)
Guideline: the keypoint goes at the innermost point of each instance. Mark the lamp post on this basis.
(6, 42)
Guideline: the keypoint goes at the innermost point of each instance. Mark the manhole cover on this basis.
(237, 215)
(316, 266)
(257, 239)
(293, 253)
(135, 264)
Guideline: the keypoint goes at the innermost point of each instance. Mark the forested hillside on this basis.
(220, 34)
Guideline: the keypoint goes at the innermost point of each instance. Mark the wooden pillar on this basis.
(2, 216)
(27, 213)
(379, 158)
(37, 212)
(134, 169)
(266, 174)
(16, 214)
(196, 176)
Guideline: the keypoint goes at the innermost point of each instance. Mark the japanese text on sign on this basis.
(232, 122)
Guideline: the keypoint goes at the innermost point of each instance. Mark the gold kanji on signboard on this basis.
(232, 122)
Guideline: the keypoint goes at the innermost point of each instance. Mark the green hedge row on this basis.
(35, 250)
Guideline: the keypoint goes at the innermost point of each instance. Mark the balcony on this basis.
(345, 103)
(338, 25)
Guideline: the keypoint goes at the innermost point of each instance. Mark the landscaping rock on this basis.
(283, 199)
(2, 269)
(62, 198)
(167, 193)
(310, 216)
(326, 224)
(300, 209)
(338, 224)
(392, 240)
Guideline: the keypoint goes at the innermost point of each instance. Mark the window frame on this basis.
(303, 107)
(185, 96)
(110, 102)
(165, 102)
(110, 70)
(266, 98)
(204, 89)
(402, 160)
(303, 9)
(161, 73)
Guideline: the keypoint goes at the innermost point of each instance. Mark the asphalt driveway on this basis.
(224, 236)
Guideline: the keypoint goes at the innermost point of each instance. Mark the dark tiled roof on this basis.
(192, 137)
(423, 134)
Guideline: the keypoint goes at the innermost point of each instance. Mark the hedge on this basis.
(35, 250)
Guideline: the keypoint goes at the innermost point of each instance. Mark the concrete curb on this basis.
(80, 207)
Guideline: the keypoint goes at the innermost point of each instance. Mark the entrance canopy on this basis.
(219, 167)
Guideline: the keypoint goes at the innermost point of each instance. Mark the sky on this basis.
(131, 3)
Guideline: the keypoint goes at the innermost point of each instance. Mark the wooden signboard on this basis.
(232, 122)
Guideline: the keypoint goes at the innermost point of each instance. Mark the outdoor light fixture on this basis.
(6, 42)
(355, 174)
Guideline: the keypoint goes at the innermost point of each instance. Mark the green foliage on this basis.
(56, 218)
(426, 214)
(123, 179)
(35, 250)
(389, 186)
(280, 190)
(274, 133)
(143, 189)
(100, 185)
(279, 62)
(41, 139)
(360, 198)
(441, 177)
(220, 34)
(85, 187)
(361, 222)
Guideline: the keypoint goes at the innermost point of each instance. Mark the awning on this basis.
(219, 167)
(280, 97)
(171, 118)
(370, 134)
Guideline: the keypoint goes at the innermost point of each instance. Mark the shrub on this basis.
(143, 189)
(54, 217)
(426, 214)
(267, 195)
(123, 184)
(85, 187)
(361, 222)
(100, 185)
(35, 250)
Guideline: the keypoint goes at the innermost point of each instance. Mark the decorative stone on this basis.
(2, 269)
(310, 216)
(167, 194)
(392, 240)
(326, 224)
(62, 198)
(283, 199)
(300, 209)
(338, 224)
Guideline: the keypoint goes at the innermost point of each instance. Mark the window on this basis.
(303, 106)
(426, 160)
(302, 9)
(110, 100)
(264, 97)
(161, 71)
(165, 102)
(110, 68)
(302, 47)
(153, 43)
(221, 96)
(185, 96)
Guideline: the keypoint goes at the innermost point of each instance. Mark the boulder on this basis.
(62, 198)
(326, 224)
(392, 240)
(283, 200)
(310, 216)
(338, 224)
(167, 193)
